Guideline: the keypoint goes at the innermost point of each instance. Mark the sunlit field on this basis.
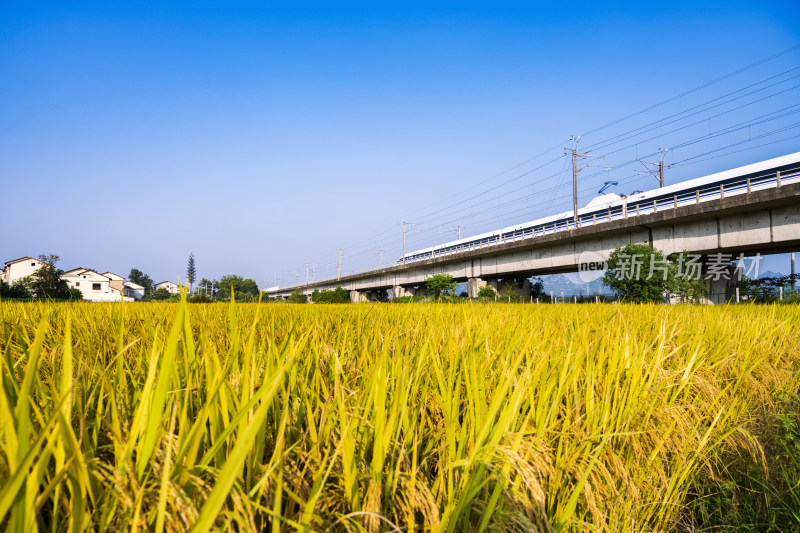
(379, 417)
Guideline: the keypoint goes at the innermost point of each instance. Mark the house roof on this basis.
(77, 271)
(20, 259)
(132, 285)
(165, 282)
(110, 274)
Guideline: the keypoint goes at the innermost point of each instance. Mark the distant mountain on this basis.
(770, 274)
(562, 285)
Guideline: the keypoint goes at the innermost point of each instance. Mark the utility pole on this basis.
(340, 264)
(307, 272)
(660, 165)
(575, 169)
(380, 257)
(794, 282)
(575, 177)
(403, 222)
(575, 155)
(407, 226)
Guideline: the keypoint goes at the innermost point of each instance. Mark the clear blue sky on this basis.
(263, 135)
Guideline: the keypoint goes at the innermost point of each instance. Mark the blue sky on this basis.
(262, 136)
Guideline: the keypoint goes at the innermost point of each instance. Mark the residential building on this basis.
(96, 287)
(133, 290)
(116, 283)
(172, 288)
(20, 268)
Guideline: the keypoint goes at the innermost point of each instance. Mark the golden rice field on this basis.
(375, 417)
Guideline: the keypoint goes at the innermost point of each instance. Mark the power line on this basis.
(624, 136)
(537, 181)
(695, 89)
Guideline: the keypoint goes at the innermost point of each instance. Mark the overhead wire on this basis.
(364, 243)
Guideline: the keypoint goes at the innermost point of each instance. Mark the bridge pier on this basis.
(377, 295)
(365, 296)
(519, 286)
(494, 284)
(398, 291)
(723, 289)
(474, 285)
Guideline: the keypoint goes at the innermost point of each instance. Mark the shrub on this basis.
(18, 290)
(297, 297)
(486, 292)
(328, 296)
(161, 294)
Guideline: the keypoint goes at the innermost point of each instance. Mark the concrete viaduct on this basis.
(764, 221)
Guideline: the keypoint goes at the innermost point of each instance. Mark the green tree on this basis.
(49, 259)
(328, 296)
(297, 297)
(191, 272)
(439, 284)
(629, 273)
(537, 288)
(75, 294)
(342, 294)
(16, 290)
(767, 288)
(138, 277)
(46, 282)
(688, 288)
(161, 294)
(243, 288)
(640, 273)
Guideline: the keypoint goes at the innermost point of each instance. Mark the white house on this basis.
(112, 276)
(19, 268)
(117, 282)
(132, 290)
(96, 287)
(172, 288)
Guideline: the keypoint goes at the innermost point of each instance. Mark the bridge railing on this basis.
(702, 193)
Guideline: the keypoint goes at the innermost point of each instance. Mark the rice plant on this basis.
(247, 417)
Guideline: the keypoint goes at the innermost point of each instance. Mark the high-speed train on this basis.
(607, 207)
